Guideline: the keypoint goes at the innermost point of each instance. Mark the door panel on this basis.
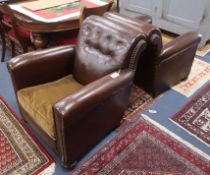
(141, 6)
(185, 12)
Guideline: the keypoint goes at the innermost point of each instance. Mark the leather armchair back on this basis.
(152, 33)
(161, 67)
(103, 47)
(150, 54)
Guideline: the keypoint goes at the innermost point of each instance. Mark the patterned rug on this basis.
(143, 149)
(20, 152)
(194, 117)
(199, 74)
(139, 101)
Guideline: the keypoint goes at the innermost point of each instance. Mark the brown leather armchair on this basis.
(161, 67)
(70, 95)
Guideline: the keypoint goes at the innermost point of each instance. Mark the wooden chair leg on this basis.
(2, 34)
(25, 49)
(12, 47)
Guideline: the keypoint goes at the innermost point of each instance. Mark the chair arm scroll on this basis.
(41, 66)
(91, 95)
(178, 45)
(84, 118)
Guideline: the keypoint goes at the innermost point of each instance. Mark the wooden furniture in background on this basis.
(3, 41)
(94, 11)
(16, 34)
(40, 30)
(70, 37)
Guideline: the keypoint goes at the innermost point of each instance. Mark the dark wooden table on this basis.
(40, 30)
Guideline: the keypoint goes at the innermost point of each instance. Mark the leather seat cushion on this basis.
(39, 100)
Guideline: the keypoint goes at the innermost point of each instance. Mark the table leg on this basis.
(2, 34)
(40, 40)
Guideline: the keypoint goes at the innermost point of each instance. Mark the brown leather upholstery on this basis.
(152, 33)
(161, 67)
(105, 49)
(83, 118)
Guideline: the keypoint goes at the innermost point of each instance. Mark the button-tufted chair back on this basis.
(153, 34)
(154, 45)
(160, 67)
(103, 47)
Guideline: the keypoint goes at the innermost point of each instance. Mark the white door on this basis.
(185, 12)
(140, 6)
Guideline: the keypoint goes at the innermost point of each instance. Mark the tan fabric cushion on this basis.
(38, 100)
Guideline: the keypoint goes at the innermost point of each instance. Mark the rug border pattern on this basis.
(195, 160)
(185, 108)
(49, 164)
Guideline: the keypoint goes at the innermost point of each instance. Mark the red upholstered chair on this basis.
(73, 96)
(16, 34)
(70, 37)
(161, 67)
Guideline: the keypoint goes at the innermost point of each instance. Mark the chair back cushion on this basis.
(102, 48)
(152, 32)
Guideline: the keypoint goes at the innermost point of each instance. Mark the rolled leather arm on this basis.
(85, 117)
(41, 66)
(179, 44)
(69, 109)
